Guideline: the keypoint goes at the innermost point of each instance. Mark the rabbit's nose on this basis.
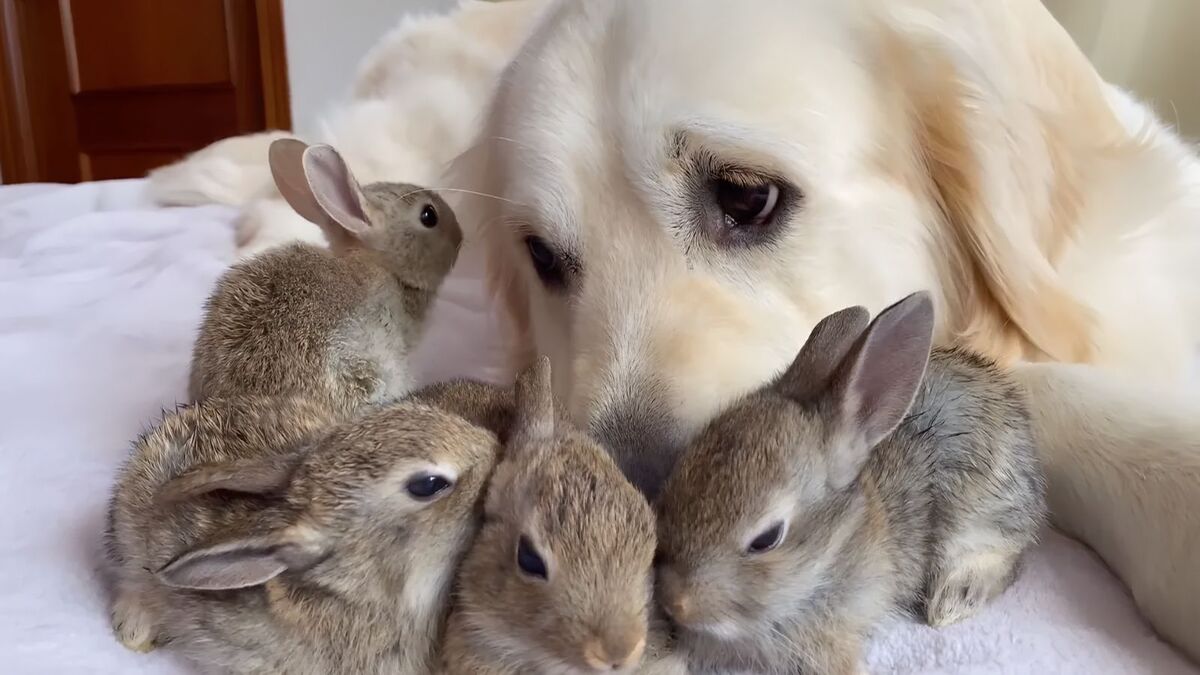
(679, 607)
(615, 653)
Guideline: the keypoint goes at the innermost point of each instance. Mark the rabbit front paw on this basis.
(960, 590)
(134, 624)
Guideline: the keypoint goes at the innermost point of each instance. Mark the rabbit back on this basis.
(285, 322)
(961, 473)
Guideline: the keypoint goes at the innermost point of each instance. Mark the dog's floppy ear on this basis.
(988, 87)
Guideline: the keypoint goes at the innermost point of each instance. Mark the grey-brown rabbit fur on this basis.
(556, 496)
(244, 540)
(334, 323)
(480, 403)
(858, 484)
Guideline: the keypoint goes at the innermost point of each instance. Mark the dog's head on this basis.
(689, 185)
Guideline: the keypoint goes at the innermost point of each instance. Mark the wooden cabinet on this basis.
(100, 89)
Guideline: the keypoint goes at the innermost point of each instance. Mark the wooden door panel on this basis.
(98, 89)
(120, 44)
(37, 96)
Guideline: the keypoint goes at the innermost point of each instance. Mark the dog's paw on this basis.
(134, 625)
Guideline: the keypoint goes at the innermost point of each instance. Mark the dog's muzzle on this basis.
(642, 436)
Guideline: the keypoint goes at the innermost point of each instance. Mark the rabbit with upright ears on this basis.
(559, 578)
(333, 556)
(336, 323)
(855, 485)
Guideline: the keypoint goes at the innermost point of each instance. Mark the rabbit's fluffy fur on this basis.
(334, 324)
(933, 519)
(251, 547)
(560, 493)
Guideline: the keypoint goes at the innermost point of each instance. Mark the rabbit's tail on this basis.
(1122, 461)
(233, 171)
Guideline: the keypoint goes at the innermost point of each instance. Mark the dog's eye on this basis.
(529, 561)
(425, 487)
(769, 539)
(747, 204)
(546, 262)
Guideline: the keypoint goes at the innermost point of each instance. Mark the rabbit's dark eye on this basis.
(546, 262)
(429, 216)
(427, 486)
(528, 559)
(768, 540)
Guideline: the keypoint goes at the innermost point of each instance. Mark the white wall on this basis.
(326, 39)
(1146, 46)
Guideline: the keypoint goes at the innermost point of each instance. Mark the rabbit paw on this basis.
(960, 591)
(134, 625)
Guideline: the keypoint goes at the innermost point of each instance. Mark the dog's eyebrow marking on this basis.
(744, 146)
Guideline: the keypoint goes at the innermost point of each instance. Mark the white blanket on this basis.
(100, 295)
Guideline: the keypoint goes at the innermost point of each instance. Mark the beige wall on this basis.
(1147, 46)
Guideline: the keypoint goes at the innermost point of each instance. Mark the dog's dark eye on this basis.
(747, 204)
(528, 559)
(768, 540)
(427, 486)
(429, 216)
(545, 261)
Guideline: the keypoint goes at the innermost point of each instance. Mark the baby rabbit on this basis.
(855, 485)
(252, 555)
(559, 577)
(335, 323)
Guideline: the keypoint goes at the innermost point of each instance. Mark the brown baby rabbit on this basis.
(855, 485)
(335, 323)
(559, 578)
(250, 554)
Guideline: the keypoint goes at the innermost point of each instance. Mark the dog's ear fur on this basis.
(982, 85)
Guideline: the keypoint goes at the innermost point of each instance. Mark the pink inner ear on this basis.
(286, 157)
(335, 189)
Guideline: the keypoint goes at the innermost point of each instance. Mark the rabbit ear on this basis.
(875, 387)
(534, 403)
(242, 562)
(335, 190)
(287, 167)
(821, 355)
(250, 476)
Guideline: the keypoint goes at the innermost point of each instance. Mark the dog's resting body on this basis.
(689, 185)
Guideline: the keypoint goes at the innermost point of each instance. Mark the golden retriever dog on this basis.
(687, 186)
(679, 189)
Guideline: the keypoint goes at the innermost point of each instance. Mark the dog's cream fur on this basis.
(963, 147)
(960, 146)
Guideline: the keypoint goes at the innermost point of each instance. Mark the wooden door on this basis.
(100, 89)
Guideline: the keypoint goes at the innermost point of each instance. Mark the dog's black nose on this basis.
(642, 436)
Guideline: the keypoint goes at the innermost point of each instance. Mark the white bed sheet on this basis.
(100, 295)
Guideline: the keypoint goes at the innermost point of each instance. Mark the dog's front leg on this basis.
(1123, 468)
